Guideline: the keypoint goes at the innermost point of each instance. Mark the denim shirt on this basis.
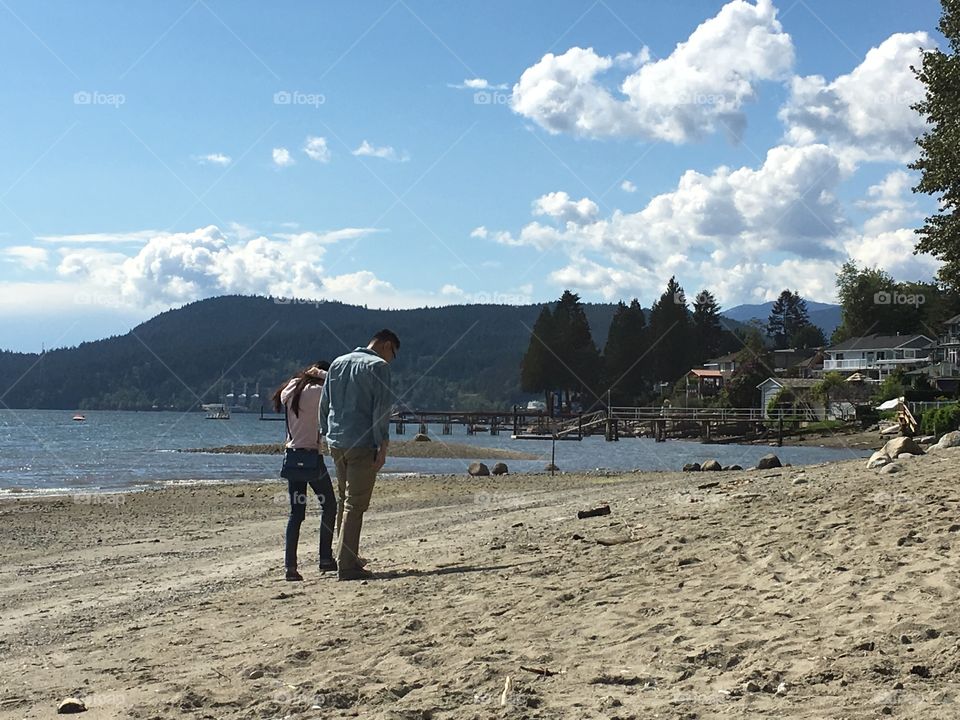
(356, 401)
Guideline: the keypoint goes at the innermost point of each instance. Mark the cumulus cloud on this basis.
(181, 267)
(26, 256)
(559, 205)
(628, 186)
(215, 159)
(745, 233)
(700, 87)
(282, 157)
(386, 152)
(866, 113)
(893, 202)
(316, 149)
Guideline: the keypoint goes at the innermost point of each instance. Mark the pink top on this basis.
(304, 428)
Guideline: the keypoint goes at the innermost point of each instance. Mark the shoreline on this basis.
(687, 599)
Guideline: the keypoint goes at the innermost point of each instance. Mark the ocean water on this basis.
(45, 451)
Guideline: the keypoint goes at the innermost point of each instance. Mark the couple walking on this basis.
(349, 402)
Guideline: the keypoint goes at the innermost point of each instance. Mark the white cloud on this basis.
(316, 149)
(384, 153)
(628, 186)
(27, 256)
(893, 201)
(478, 84)
(102, 238)
(745, 233)
(215, 159)
(866, 114)
(180, 267)
(700, 87)
(282, 157)
(559, 205)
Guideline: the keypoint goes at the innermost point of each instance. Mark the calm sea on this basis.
(45, 451)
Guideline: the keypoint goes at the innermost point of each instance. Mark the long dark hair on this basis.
(305, 377)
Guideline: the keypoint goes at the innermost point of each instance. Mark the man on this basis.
(355, 408)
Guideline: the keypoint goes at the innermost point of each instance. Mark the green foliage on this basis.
(579, 361)
(787, 317)
(670, 335)
(538, 369)
(873, 303)
(940, 420)
(939, 161)
(741, 390)
(624, 361)
(707, 332)
(808, 336)
(893, 386)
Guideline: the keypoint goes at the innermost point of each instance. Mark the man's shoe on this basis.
(293, 575)
(328, 565)
(354, 574)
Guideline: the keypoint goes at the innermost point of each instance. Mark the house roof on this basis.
(701, 372)
(729, 357)
(953, 321)
(791, 382)
(882, 342)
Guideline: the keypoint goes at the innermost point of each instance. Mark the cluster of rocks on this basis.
(765, 463)
(904, 448)
(479, 469)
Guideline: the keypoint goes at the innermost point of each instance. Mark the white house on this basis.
(879, 353)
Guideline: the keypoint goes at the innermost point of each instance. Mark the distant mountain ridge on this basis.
(825, 316)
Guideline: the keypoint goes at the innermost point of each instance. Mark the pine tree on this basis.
(670, 335)
(707, 332)
(939, 162)
(538, 369)
(787, 316)
(579, 360)
(623, 355)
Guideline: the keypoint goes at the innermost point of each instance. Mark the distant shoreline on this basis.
(401, 448)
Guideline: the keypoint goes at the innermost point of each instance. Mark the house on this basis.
(948, 344)
(786, 361)
(726, 364)
(881, 354)
(799, 387)
(943, 376)
(702, 383)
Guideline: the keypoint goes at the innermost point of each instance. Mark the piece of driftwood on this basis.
(616, 541)
(542, 671)
(593, 512)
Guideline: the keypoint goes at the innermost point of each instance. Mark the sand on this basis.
(818, 592)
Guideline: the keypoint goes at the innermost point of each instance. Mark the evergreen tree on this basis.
(538, 369)
(669, 336)
(939, 161)
(623, 355)
(809, 336)
(579, 368)
(707, 333)
(787, 316)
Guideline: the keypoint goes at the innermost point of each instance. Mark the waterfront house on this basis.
(880, 354)
(703, 383)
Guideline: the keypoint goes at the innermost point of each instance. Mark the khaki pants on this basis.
(355, 480)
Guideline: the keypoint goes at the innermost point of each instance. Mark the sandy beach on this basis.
(820, 592)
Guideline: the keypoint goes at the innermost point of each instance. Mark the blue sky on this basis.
(401, 154)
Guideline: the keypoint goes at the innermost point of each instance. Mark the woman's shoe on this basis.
(328, 565)
(293, 575)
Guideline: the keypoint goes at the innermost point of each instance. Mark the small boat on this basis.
(79, 418)
(217, 411)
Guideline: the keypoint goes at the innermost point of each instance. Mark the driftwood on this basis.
(541, 671)
(594, 512)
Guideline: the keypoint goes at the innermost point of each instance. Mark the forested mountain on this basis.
(455, 356)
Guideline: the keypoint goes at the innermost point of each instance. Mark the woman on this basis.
(299, 400)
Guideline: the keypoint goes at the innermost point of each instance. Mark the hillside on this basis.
(455, 356)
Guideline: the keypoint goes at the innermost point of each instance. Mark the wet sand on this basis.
(819, 592)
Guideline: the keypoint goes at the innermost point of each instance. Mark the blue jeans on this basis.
(323, 489)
